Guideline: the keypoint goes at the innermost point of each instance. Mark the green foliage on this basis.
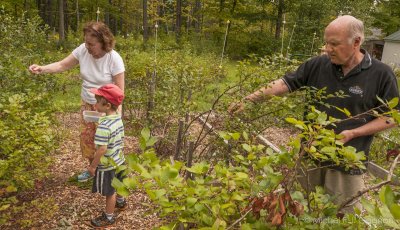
(323, 144)
(215, 194)
(25, 106)
(384, 212)
(254, 73)
(42, 209)
(27, 140)
(387, 16)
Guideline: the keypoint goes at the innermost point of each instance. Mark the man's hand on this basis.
(346, 135)
(239, 106)
(236, 107)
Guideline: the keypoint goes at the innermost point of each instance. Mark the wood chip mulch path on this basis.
(74, 203)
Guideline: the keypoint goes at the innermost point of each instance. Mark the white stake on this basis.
(223, 47)
(98, 13)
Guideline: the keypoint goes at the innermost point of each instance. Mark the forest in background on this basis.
(259, 27)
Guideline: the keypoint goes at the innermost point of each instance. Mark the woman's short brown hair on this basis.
(102, 33)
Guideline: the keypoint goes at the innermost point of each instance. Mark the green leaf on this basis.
(393, 103)
(4, 207)
(311, 116)
(347, 112)
(130, 182)
(241, 175)
(292, 120)
(322, 118)
(145, 133)
(160, 192)
(151, 141)
(251, 156)
(380, 100)
(198, 168)
(246, 226)
(386, 196)
(119, 187)
(395, 210)
(199, 207)
(236, 196)
(190, 201)
(11, 188)
(219, 224)
(131, 159)
(246, 147)
(245, 135)
(224, 135)
(370, 208)
(144, 173)
(171, 173)
(389, 220)
(142, 143)
(235, 136)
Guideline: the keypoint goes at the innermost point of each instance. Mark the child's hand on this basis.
(91, 170)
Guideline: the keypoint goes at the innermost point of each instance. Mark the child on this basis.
(109, 140)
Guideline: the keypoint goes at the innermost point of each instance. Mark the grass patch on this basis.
(68, 99)
(205, 101)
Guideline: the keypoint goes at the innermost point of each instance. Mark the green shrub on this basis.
(25, 105)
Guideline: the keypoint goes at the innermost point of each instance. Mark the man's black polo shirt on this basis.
(363, 84)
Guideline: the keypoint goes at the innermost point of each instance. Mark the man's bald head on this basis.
(353, 26)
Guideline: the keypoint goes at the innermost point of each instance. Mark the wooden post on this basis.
(189, 158)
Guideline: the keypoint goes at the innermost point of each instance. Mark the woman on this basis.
(99, 65)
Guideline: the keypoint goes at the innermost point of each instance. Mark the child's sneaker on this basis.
(102, 221)
(121, 206)
(85, 176)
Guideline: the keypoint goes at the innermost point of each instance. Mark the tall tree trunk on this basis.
(112, 19)
(66, 18)
(41, 10)
(178, 23)
(124, 25)
(160, 12)
(281, 6)
(145, 22)
(107, 15)
(61, 29)
(26, 8)
(49, 16)
(77, 16)
(197, 15)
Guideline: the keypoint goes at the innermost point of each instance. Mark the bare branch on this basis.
(362, 192)
(238, 220)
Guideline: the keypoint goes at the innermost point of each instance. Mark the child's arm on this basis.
(101, 150)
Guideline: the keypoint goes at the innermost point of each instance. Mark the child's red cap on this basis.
(111, 92)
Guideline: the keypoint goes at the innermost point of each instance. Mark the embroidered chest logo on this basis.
(356, 90)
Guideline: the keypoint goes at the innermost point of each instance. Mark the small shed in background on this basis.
(374, 43)
(391, 50)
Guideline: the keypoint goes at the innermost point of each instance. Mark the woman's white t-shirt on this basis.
(96, 72)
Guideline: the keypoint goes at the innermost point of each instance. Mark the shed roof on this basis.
(393, 37)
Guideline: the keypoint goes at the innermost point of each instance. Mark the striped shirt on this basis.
(110, 132)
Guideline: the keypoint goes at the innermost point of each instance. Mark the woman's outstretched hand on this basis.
(35, 69)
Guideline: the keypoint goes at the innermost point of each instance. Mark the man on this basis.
(348, 68)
